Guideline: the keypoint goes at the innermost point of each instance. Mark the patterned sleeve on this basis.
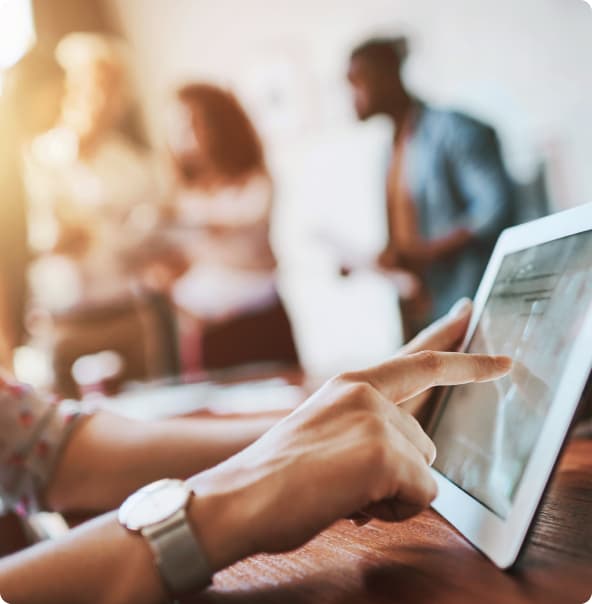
(32, 434)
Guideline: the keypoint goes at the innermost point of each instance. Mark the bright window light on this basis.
(17, 31)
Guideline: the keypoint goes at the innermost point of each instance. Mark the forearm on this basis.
(422, 252)
(109, 456)
(98, 563)
(101, 562)
(388, 257)
(450, 245)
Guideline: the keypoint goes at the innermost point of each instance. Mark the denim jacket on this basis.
(456, 178)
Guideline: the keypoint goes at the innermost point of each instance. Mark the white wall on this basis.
(524, 65)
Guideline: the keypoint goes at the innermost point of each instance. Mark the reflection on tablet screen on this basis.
(485, 433)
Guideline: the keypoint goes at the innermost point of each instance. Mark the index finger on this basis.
(403, 378)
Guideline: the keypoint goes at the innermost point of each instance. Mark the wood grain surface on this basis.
(425, 560)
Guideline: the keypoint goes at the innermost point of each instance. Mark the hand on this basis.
(445, 334)
(348, 448)
(421, 254)
(417, 256)
(387, 259)
(408, 285)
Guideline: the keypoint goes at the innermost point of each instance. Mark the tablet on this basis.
(498, 442)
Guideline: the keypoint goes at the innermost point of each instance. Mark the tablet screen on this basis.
(485, 433)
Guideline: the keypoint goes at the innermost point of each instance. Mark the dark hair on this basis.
(231, 139)
(386, 53)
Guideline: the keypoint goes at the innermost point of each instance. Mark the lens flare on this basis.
(17, 31)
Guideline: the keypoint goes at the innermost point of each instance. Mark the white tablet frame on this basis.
(501, 539)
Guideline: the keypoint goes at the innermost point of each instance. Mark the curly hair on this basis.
(232, 143)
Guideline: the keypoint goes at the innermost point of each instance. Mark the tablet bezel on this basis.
(501, 539)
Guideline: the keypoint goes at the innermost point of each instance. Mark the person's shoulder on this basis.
(470, 125)
(458, 120)
(458, 128)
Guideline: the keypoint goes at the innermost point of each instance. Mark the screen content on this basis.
(485, 433)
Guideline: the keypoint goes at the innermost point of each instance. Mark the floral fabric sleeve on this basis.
(32, 435)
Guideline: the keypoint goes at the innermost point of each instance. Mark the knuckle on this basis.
(431, 361)
(431, 491)
(347, 377)
(429, 487)
(360, 394)
(362, 391)
(483, 367)
(423, 440)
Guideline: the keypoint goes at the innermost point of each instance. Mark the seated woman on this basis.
(222, 210)
(348, 450)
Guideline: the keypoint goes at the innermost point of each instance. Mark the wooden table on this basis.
(425, 560)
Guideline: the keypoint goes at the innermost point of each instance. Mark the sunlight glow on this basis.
(17, 31)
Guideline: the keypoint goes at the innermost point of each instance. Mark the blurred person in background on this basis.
(93, 198)
(222, 212)
(448, 192)
(86, 180)
(29, 105)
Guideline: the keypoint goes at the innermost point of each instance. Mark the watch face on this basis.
(153, 504)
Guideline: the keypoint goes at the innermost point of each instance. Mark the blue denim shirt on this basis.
(456, 177)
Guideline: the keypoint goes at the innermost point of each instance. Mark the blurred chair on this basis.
(141, 329)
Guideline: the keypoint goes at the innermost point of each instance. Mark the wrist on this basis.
(430, 252)
(387, 258)
(219, 520)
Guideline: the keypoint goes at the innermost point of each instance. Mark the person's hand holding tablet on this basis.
(350, 448)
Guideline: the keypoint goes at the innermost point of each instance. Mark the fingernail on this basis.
(461, 307)
(504, 362)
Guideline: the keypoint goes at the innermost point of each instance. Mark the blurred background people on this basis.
(30, 104)
(94, 208)
(222, 212)
(448, 195)
(86, 179)
(92, 201)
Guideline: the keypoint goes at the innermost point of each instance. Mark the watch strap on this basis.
(178, 555)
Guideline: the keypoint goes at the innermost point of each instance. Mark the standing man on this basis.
(448, 193)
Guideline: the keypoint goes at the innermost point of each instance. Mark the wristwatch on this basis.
(158, 512)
